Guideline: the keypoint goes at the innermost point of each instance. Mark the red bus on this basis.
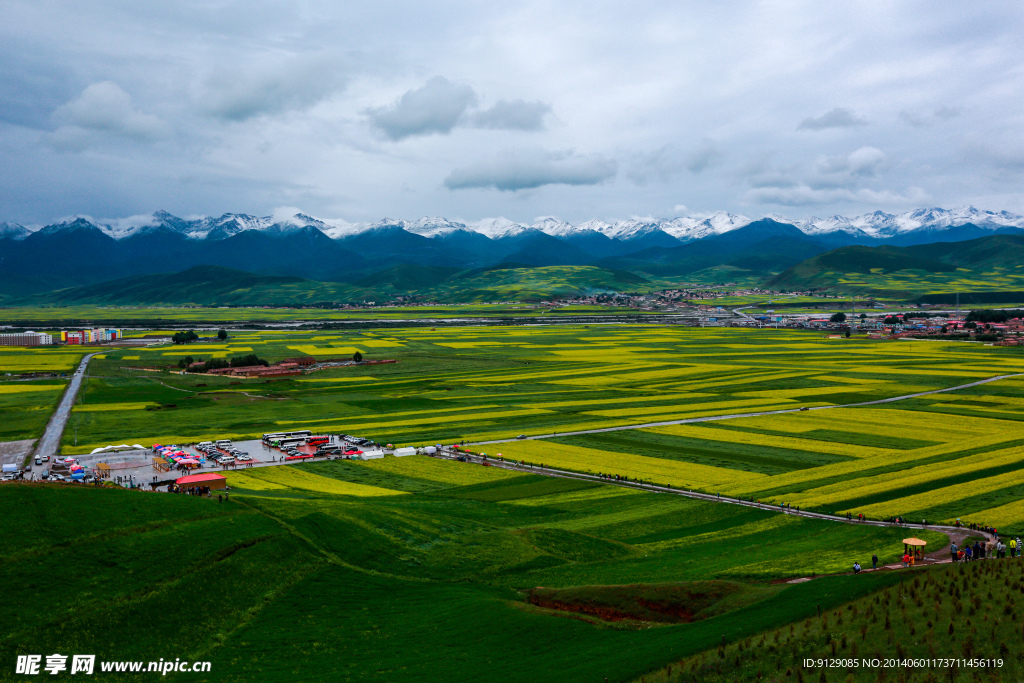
(317, 440)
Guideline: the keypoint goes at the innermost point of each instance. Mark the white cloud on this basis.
(863, 162)
(104, 108)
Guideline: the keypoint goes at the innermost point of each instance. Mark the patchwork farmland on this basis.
(543, 573)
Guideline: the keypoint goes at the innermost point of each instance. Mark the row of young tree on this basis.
(191, 336)
(245, 361)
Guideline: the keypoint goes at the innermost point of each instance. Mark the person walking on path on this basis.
(953, 550)
(874, 561)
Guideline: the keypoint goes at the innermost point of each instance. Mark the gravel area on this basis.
(15, 451)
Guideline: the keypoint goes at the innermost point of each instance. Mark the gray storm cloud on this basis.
(440, 105)
(363, 110)
(434, 108)
(269, 85)
(836, 118)
(513, 115)
(526, 170)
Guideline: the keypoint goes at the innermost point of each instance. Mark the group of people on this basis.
(189, 490)
(969, 552)
(976, 526)
(980, 551)
(911, 556)
(128, 482)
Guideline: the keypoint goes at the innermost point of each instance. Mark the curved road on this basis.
(49, 443)
(712, 418)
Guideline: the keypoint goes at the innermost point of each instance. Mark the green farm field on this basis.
(937, 457)
(428, 564)
(26, 405)
(396, 569)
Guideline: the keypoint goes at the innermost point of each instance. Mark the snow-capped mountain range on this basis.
(875, 225)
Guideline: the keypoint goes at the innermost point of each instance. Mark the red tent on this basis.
(214, 481)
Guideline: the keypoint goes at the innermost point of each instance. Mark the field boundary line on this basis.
(733, 416)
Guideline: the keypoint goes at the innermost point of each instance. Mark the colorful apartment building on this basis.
(99, 334)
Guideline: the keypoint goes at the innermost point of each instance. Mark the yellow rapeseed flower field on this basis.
(659, 470)
(24, 388)
(296, 478)
(442, 471)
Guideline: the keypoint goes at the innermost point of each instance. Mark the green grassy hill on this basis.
(407, 569)
(953, 611)
(977, 268)
(202, 285)
(215, 285)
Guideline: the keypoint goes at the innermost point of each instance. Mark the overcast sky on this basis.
(472, 110)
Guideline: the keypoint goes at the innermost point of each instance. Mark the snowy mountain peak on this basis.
(13, 231)
(687, 228)
(875, 225)
(497, 227)
(553, 226)
(429, 226)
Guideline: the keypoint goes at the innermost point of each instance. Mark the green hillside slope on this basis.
(215, 285)
(979, 269)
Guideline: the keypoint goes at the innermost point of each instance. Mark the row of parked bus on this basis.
(288, 443)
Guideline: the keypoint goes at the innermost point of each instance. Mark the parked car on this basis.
(46, 458)
(39, 461)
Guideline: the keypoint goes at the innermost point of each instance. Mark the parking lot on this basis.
(138, 467)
